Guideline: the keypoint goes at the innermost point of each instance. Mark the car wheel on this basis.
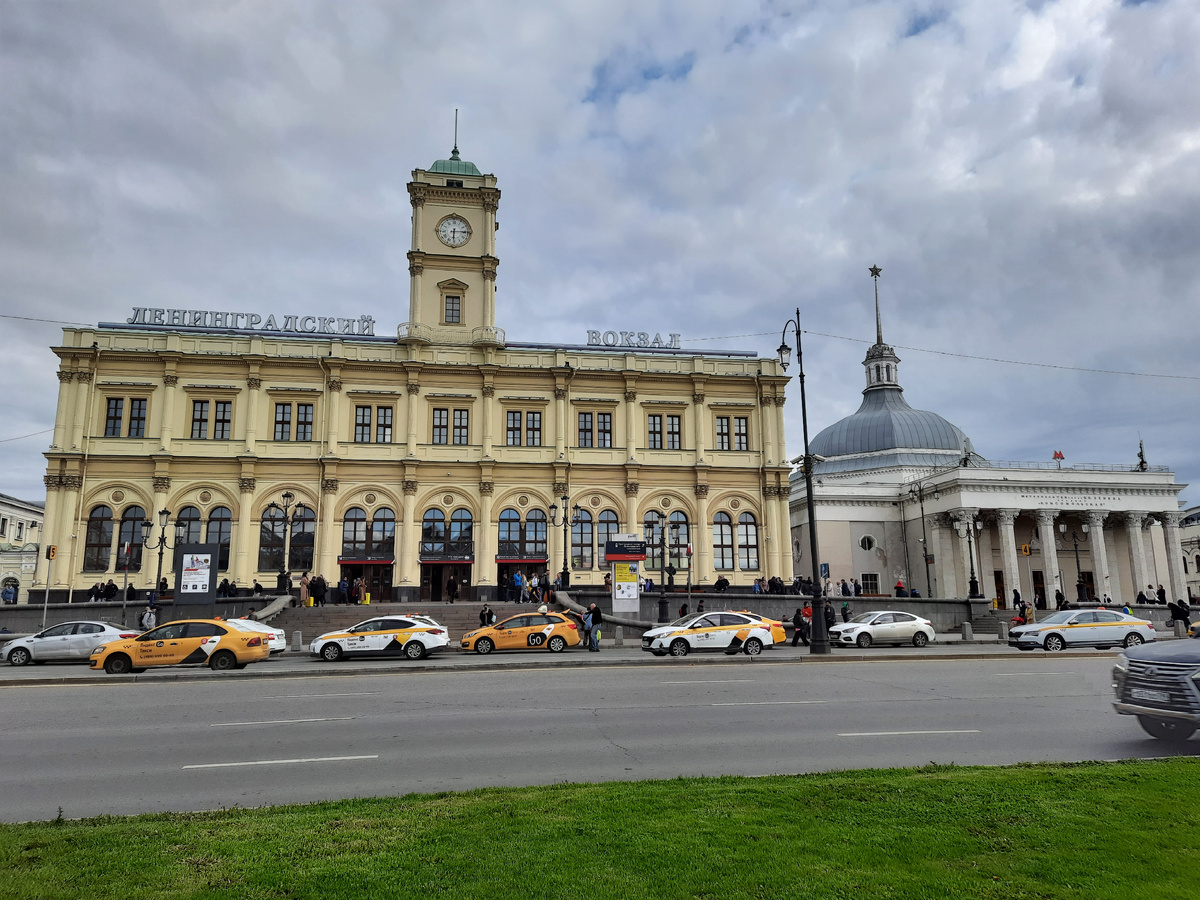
(19, 657)
(864, 640)
(1053, 643)
(222, 661)
(484, 646)
(1166, 729)
(556, 644)
(1133, 639)
(331, 652)
(679, 647)
(118, 664)
(414, 650)
(920, 639)
(752, 647)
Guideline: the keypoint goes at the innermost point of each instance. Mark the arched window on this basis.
(270, 540)
(433, 533)
(581, 541)
(609, 527)
(722, 539)
(510, 535)
(877, 372)
(304, 533)
(131, 534)
(187, 525)
(383, 532)
(747, 541)
(220, 532)
(888, 372)
(652, 532)
(354, 533)
(535, 535)
(678, 537)
(1198, 562)
(462, 531)
(97, 547)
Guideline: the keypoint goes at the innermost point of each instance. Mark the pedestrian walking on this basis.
(800, 625)
(1161, 594)
(830, 616)
(597, 621)
(305, 581)
(319, 589)
(149, 618)
(845, 610)
(451, 588)
(257, 590)
(683, 610)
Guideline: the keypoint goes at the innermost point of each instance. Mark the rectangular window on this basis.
(722, 432)
(222, 420)
(870, 582)
(674, 441)
(654, 432)
(741, 433)
(513, 431)
(603, 429)
(441, 426)
(199, 420)
(304, 421)
(461, 422)
(362, 424)
(112, 419)
(3, 527)
(585, 429)
(137, 417)
(383, 424)
(454, 310)
(533, 429)
(20, 530)
(283, 421)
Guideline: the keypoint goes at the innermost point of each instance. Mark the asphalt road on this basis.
(204, 744)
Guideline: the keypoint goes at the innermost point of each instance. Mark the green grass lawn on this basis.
(1120, 830)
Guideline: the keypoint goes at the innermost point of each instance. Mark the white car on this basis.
(885, 626)
(276, 638)
(413, 637)
(67, 642)
(1102, 628)
(729, 631)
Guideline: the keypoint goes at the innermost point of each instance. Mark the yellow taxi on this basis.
(182, 643)
(727, 631)
(529, 631)
(778, 634)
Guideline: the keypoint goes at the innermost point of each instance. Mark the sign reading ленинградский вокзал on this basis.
(631, 339)
(214, 320)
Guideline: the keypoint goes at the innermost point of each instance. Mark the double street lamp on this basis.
(570, 516)
(164, 518)
(968, 527)
(292, 516)
(1080, 589)
(917, 492)
(820, 635)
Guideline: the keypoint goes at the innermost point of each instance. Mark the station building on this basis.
(898, 489)
(447, 450)
(20, 531)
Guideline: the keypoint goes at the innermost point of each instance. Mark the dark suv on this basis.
(1160, 684)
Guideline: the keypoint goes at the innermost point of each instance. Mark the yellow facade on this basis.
(216, 422)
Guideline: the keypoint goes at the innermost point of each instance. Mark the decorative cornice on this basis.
(170, 380)
(64, 376)
(253, 383)
(162, 484)
(247, 485)
(410, 485)
(487, 488)
(631, 488)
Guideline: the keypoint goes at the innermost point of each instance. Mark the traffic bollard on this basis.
(297, 641)
(968, 633)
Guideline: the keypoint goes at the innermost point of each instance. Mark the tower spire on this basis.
(875, 273)
(454, 152)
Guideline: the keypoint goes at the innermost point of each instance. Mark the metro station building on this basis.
(444, 450)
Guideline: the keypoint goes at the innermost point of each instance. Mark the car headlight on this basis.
(97, 650)
(1121, 663)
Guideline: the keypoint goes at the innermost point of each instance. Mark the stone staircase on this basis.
(458, 618)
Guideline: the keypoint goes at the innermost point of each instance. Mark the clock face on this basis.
(454, 231)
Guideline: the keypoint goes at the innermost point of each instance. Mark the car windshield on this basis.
(679, 623)
(863, 619)
(1058, 618)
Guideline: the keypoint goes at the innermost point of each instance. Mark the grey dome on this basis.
(885, 421)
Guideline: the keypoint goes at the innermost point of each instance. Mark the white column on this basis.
(702, 570)
(785, 534)
(772, 529)
(1178, 586)
(1095, 521)
(560, 421)
(1116, 590)
(411, 415)
(1137, 550)
(330, 535)
(987, 563)
(485, 551)
(1047, 537)
(945, 565)
(1008, 551)
(245, 566)
(409, 573)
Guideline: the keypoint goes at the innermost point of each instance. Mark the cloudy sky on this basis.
(1026, 174)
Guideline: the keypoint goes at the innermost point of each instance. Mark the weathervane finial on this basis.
(875, 273)
(454, 152)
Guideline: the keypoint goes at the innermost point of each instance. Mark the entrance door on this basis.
(434, 577)
(1001, 594)
(377, 580)
(1039, 589)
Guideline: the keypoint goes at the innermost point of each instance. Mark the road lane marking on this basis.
(767, 702)
(281, 721)
(893, 733)
(723, 681)
(279, 762)
(1035, 674)
(307, 696)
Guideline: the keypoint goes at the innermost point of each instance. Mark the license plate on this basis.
(1156, 696)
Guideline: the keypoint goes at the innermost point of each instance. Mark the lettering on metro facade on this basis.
(214, 320)
(631, 339)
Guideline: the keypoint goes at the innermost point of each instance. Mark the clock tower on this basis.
(452, 263)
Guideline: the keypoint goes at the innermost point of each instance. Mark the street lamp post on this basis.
(164, 518)
(291, 516)
(969, 527)
(564, 578)
(917, 492)
(820, 636)
(1080, 589)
